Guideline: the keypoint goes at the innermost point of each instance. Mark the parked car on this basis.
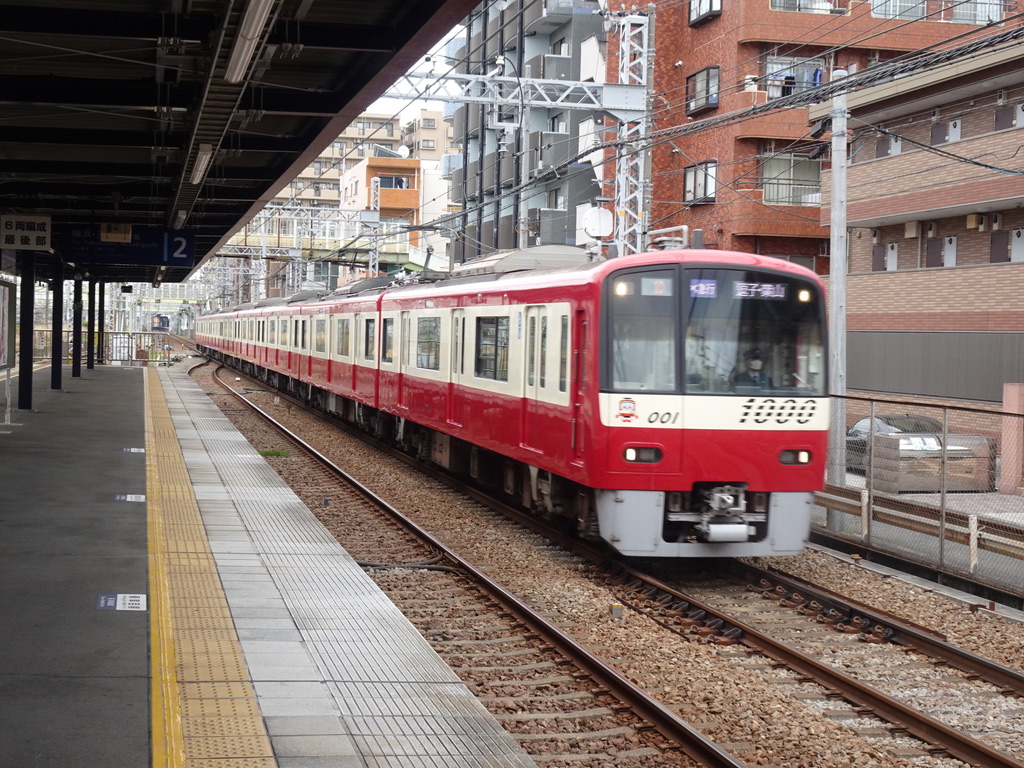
(908, 455)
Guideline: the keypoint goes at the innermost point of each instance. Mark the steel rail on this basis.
(901, 633)
(688, 739)
(955, 743)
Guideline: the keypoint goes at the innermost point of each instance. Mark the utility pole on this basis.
(837, 296)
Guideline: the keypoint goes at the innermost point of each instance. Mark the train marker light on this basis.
(795, 457)
(642, 454)
(803, 295)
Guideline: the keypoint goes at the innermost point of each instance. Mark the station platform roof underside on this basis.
(158, 122)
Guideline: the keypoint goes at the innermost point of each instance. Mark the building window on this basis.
(492, 348)
(699, 183)
(428, 144)
(429, 122)
(395, 182)
(898, 9)
(703, 10)
(362, 126)
(702, 90)
(806, 6)
(388, 128)
(977, 12)
(791, 180)
(786, 75)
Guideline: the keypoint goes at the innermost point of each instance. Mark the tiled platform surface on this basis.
(341, 677)
(262, 642)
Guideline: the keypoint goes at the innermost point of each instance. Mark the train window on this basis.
(406, 339)
(296, 335)
(344, 343)
(320, 335)
(492, 348)
(531, 351)
(272, 327)
(563, 356)
(284, 332)
(643, 328)
(370, 339)
(387, 340)
(543, 351)
(428, 343)
(753, 332)
(457, 337)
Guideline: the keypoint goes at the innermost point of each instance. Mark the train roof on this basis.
(549, 260)
(537, 257)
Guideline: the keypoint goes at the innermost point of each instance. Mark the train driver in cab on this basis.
(753, 373)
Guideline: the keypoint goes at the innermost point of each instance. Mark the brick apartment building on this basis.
(935, 210)
(754, 185)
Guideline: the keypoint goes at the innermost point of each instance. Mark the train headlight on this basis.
(795, 457)
(623, 288)
(642, 454)
(804, 295)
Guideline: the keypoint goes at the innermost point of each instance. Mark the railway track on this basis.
(555, 696)
(834, 623)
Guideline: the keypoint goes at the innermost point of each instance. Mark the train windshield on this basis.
(714, 331)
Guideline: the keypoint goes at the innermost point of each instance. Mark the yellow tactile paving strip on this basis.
(204, 707)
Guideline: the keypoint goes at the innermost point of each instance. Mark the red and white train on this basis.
(617, 393)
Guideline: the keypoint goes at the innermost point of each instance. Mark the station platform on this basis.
(168, 601)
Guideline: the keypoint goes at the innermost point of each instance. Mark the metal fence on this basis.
(119, 348)
(939, 486)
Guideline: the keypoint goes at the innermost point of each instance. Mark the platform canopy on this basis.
(137, 136)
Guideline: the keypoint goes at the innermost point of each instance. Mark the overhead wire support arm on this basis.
(499, 90)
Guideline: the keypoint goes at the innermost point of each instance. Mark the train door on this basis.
(457, 367)
(578, 391)
(535, 372)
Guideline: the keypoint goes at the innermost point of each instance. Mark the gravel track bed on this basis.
(946, 694)
(765, 716)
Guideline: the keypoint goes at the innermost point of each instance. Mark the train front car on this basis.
(713, 403)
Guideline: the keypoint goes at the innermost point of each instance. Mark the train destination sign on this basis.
(146, 245)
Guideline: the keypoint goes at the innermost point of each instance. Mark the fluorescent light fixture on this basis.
(179, 220)
(203, 158)
(256, 13)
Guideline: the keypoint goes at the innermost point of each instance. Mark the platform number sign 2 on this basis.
(177, 249)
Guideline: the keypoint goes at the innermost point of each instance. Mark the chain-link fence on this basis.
(941, 486)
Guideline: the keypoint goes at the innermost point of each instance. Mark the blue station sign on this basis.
(134, 244)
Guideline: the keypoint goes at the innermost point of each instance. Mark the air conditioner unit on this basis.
(876, 236)
(912, 229)
(995, 221)
(931, 229)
